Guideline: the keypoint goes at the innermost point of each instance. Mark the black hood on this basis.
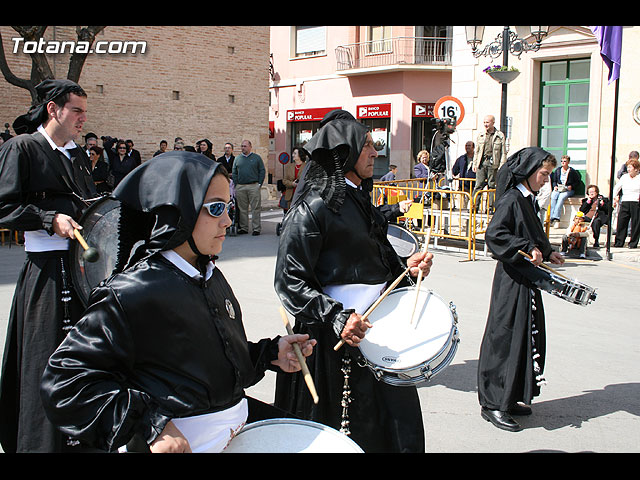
(161, 200)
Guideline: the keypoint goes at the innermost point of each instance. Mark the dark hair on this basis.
(62, 100)
(222, 171)
(593, 186)
(302, 153)
(96, 149)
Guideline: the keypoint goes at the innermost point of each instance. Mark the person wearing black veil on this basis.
(333, 262)
(45, 186)
(159, 361)
(513, 348)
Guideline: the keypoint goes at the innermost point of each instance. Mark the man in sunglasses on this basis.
(160, 360)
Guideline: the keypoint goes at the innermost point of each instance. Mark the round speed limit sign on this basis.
(449, 107)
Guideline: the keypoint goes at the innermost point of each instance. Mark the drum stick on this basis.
(526, 255)
(303, 364)
(80, 239)
(425, 247)
(377, 302)
(90, 254)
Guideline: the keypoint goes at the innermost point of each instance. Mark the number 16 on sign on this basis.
(449, 107)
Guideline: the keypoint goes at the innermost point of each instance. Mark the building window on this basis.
(310, 41)
(564, 109)
(175, 95)
(379, 39)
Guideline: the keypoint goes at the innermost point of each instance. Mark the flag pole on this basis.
(613, 170)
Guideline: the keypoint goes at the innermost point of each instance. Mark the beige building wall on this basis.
(193, 82)
(481, 94)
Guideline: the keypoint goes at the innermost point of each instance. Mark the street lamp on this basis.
(506, 42)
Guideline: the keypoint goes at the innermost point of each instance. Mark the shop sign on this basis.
(308, 114)
(422, 109)
(374, 111)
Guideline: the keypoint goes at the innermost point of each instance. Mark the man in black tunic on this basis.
(45, 182)
(512, 353)
(333, 262)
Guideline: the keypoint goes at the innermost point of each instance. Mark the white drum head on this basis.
(289, 435)
(396, 344)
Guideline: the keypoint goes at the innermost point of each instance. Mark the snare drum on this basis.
(401, 352)
(571, 290)
(289, 435)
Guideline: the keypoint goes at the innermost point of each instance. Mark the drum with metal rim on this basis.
(403, 351)
(404, 242)
(289, 435)
(100, 231)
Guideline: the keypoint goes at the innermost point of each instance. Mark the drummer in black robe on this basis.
(512, 353)
(160, 361)
(334, 260)
(45, 185)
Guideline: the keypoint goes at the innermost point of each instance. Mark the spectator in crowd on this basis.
(121, 163)
(463, 169)
(421, 169)
(623, 168)
(292, 173)
(90, 140)
(99, 170)
(564, 181)
(227, 159)
(596, 211)
(163, 148)
(178, 145)
(205, 147)
(133, 153)
(489, 155)
(248, 176)
(576, 236)
(629, 212)
(390, 176)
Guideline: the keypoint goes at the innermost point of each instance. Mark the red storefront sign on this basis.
(422, 109)
(308, 114)
(374, 111)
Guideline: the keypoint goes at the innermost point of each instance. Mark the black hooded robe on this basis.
(154, 343)
(515, 331)
(36, 182)
(332, 235)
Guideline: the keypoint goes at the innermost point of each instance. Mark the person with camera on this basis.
(596, 210)
(489, 156)
(564, 181)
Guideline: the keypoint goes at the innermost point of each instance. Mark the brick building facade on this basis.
(194, 82)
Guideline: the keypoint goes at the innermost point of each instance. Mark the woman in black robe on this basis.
(512, 353)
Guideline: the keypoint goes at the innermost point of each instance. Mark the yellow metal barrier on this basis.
(450, 213)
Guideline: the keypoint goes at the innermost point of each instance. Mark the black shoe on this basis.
(500, 419)
(517, 409)
(255, 234)
(242, 232)
(596, 245)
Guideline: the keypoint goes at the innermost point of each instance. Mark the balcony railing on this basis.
(394, 51)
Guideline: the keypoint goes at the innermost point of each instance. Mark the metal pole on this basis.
(613, 172)
(505, 63)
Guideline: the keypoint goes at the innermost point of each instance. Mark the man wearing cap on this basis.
(45, 182)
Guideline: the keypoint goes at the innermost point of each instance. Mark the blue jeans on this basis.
(557, 199)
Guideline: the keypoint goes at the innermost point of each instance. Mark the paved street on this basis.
(591, 402)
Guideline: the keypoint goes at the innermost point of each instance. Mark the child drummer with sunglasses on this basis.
(160, 361)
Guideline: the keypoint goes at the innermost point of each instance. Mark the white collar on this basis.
(69, 145)
(185, 266)
(350, 183)
(524, 190)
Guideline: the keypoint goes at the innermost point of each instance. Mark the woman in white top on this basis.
(629, 183)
